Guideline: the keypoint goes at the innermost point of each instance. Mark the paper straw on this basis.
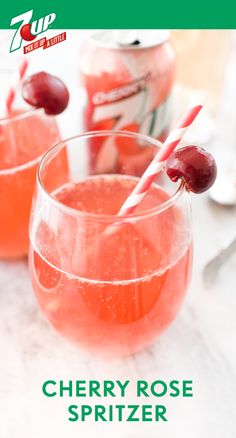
(13, 89)
(173, 139)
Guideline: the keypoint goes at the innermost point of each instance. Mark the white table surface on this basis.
(199, 345)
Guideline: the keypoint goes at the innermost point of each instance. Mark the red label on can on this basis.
(128, 90)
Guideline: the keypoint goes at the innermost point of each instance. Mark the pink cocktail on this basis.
(24, 137)
(112, 291)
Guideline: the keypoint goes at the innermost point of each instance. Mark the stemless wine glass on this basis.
(24, 136)
(111, 284)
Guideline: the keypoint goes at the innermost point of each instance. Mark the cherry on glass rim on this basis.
(194, 165)
(43, 90)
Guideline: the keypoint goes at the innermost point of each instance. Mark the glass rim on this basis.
(5, 120)
(22, 115)
(101, 216)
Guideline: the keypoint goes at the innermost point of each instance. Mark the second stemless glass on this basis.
(110, 284)
(25, 135)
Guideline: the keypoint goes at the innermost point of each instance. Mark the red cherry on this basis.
(44, 90)
(196, 166)
(25, 33)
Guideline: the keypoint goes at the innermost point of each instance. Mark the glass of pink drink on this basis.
(108, 283)
(25, 135)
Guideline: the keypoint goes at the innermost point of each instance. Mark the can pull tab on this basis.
(126, 37)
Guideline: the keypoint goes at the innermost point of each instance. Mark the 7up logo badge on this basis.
(28, 30)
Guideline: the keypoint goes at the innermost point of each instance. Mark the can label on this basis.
(134, 106)
(128, 89)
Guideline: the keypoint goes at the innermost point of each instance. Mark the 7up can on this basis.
(128, 78)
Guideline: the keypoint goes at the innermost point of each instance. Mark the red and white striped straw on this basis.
(13, 89)
(173, 139)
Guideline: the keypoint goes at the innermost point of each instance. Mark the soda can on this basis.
(128, 78)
